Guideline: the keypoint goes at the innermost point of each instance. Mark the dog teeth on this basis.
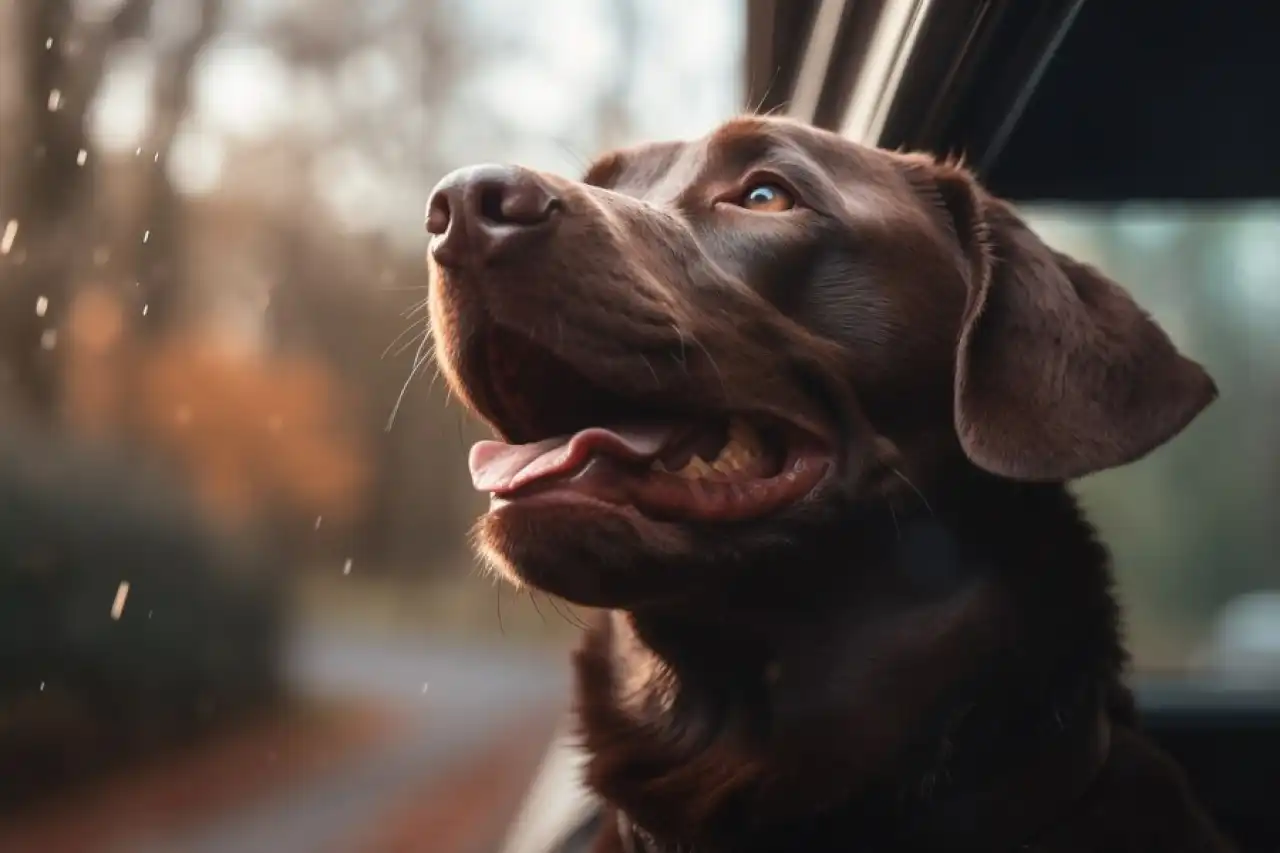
(737, 455)
(695, 469)
(740, 451)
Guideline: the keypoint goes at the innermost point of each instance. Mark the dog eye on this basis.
(767, 198)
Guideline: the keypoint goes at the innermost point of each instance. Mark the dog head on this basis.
(705, 352)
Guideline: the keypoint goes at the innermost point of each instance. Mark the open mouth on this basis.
(593, 444)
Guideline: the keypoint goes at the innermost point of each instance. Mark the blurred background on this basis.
(238, 611)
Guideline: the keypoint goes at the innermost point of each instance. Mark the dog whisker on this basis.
(498, 603)
(724, 388)
(419, 327)
(426, 352)
(919, 493)
(416, 341)
(416, 308)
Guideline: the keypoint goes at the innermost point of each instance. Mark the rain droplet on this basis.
(122, 595)
(146, 235)
(144, 310)
(55, 100)
(137, 152)
(10, 234)
(42, 306)
(425, 685)
(319, 518)
(48, 44)
(346, 567)
(82, 157)
(49, 339)
(42, 687)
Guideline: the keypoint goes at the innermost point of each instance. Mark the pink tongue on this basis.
(500, 468)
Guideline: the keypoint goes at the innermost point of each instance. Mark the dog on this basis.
(797, 416)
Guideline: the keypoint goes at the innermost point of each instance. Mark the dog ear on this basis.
(1059, 373)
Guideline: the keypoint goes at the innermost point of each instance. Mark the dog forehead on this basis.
(870, 180)
(656, 172)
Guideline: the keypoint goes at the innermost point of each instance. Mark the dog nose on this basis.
(480, 213)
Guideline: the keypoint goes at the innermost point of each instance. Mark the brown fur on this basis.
(923, 654)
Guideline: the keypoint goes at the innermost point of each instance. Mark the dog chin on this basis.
(589, 552)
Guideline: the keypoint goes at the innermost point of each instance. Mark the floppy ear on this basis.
(1059, 373)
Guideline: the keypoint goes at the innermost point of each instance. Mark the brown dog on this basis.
(798, 414)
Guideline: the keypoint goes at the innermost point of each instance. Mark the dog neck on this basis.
(971, 686)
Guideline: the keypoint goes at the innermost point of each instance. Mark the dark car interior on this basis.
(1093, 102)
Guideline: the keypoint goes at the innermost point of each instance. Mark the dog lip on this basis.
(607, 468)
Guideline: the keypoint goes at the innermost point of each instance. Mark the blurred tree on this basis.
(162, 260)
(59, 58)
(50, 175)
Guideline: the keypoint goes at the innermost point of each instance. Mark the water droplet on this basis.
(425, 685)
(319, 518)
(9, 236)
(146, 235)
(82, 157)
(122, 595)
(144, 310)
(346, 567)
(42, 306)
(48, 44)
(42, 687)
(55, 100)
(49, 339)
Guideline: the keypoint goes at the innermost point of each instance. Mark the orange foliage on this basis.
(250, 429)
(252, 432)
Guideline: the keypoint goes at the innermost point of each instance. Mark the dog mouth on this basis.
(580, 440)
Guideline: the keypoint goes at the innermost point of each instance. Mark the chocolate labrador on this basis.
(796, 415)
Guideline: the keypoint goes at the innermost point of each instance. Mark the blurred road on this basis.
(447, 739)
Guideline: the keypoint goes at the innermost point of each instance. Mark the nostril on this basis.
(528, 203)
(492, 203)
(522, 201)
(438, 214)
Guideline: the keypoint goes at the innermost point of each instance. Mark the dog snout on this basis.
(481, 213)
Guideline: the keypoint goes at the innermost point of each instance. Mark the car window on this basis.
(1195, 527)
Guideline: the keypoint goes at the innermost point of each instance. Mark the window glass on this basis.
(1195, 527)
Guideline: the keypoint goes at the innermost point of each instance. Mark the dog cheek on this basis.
(844, 302)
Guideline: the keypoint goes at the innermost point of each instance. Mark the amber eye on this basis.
(767, 198)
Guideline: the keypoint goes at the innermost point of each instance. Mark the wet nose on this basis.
(481, 213)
